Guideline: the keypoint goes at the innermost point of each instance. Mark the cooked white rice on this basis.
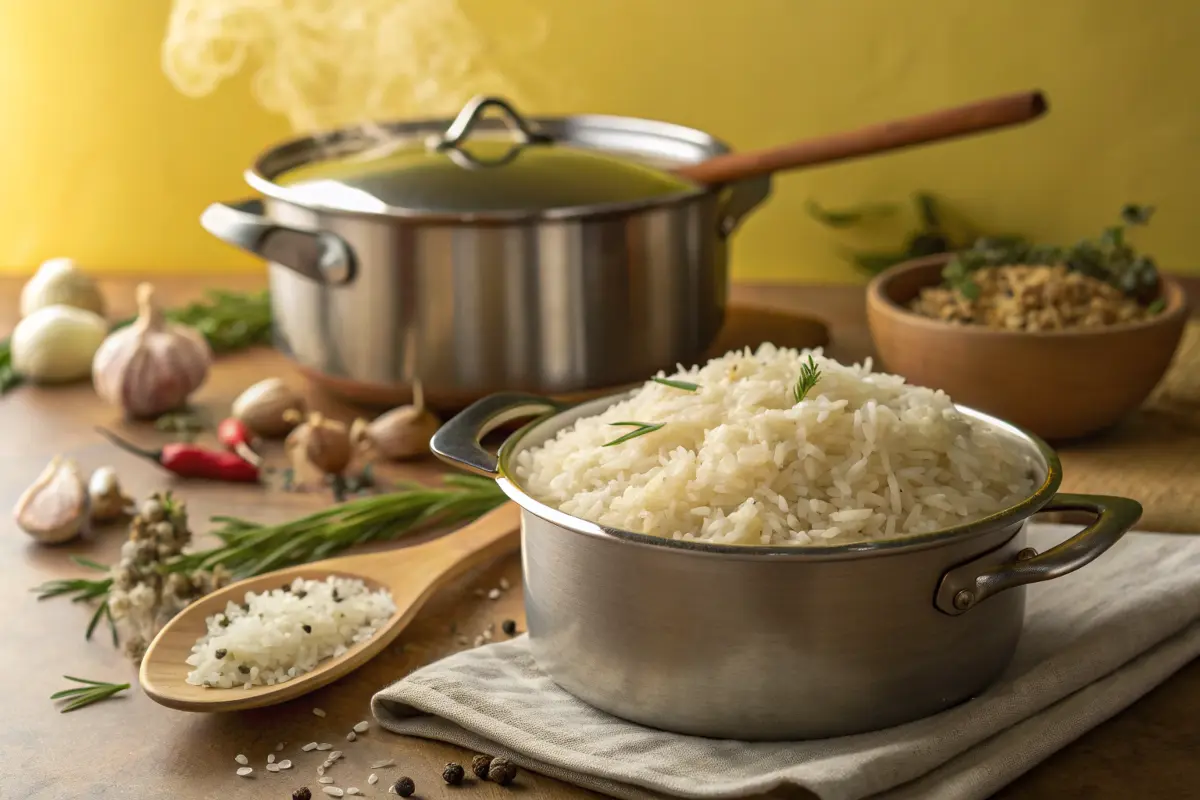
(277, 635)
(864, 456)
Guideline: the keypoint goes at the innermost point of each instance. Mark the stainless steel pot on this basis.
(483, 254)
(760, 643)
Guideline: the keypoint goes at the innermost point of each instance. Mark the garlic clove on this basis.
(59, 281)
(106, 501)
(152, 366)
(402, 433)
(55, 508)
(328, 444)
(264, 406)
(56, 344)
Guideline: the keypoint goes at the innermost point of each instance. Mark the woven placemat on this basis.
(1154, 455)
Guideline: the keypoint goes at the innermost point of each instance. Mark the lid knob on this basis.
(460, 130)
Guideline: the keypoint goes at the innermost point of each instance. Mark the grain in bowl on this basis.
(778, 447)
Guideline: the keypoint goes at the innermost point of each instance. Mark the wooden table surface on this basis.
(131, 747)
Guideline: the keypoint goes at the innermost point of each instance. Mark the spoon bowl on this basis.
(412, 575)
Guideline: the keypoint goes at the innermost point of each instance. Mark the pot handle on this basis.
(744, 197)
(967, 585)
(457, 442)
(318, 255)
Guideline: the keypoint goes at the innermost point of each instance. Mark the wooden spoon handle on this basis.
(985, 115)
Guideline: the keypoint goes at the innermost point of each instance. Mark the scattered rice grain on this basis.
(332, 791)
(245, 772)
(351, 736)
(241, 759)
(387, 762)
(272, 768)
(373, 779)
(310, 746)
(362, 727)
(319, 712)
(324, 746)
(494, 594)
(285, 764)
(270, 758)
(324, 780)
(505, 585)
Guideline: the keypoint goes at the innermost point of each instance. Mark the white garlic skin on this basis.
(57, 344)
(264, 406)
(59, 281)
(106, 500)
(55, 508)
(152, 366)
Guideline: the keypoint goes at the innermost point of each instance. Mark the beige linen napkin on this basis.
(1094, 642)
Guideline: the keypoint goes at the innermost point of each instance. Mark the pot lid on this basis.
(465, 171)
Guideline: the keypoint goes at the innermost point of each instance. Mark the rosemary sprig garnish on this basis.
(687, 387)
(229, 321)
(251, 548)
(90, 692)
(809, 375)
(642, 429)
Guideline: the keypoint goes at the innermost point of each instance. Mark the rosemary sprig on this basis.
(250, 548)
(809, 375)
(229, 321)
(642, 429)
(90, 692)
(685, 385)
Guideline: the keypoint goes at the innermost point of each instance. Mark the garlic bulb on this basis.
(55, 508)
(399, 434)
(106, 500)
(152, 366)
(57, 343)
(60, 282)
(264, 406)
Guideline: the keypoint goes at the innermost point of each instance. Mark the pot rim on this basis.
(292, 153)
(1014, 514)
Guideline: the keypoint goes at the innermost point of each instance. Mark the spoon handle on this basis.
(487, 538)
(948, 123)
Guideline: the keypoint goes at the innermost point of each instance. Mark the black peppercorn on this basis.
(242, 668)
(479, 766)
(509, 627)
(302, 794)
(221, 652)
(307, 628)
(453, 774)
(405, 787)
(502, 771)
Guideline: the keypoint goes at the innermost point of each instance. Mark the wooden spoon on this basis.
(949, 123)
(411, 574)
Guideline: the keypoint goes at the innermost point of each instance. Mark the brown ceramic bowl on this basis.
(1059, 385)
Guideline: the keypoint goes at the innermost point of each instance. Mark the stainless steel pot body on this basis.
(555, 303)
(774, 643)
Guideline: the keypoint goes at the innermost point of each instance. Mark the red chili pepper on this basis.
(236, 435)
(190, 461)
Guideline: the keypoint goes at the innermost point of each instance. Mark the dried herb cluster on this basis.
(147, 587)
(1108, 258)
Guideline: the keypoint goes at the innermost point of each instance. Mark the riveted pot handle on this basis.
(318, 255)
(457, 442)
(967, 585)
(744, 197)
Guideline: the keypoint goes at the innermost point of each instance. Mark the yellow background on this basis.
(103, 161)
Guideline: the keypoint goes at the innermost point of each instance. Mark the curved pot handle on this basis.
(744, 197)
(457, 442)
(318, 255)
(965, 586)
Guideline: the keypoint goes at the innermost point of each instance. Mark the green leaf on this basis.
(969, 289)
(684, 385)
(809, 375)
(1157, 306)
(642, 429)
(848, 217)
(87, 562)
(1135, 214)
(877, 262)
(927, 210)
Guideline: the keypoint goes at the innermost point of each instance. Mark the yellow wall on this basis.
(103, 161)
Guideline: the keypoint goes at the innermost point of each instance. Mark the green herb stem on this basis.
(642, 429)
(684, 385)
(90, 692)
(810, 373)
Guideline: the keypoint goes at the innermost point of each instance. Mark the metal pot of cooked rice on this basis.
(774, 545)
